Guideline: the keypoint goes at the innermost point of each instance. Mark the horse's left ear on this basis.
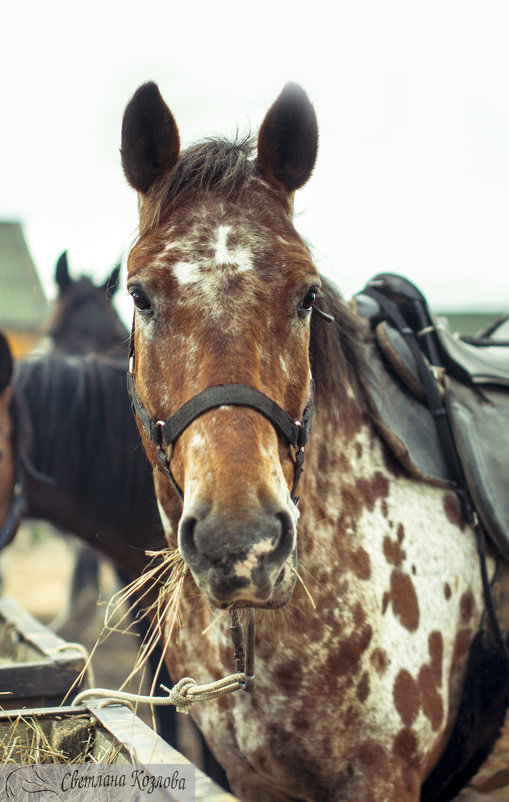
(110, 286)
(6, 364)
(62, 276)
(150, 139)
(288, 140)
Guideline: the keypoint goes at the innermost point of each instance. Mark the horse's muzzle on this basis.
(239, 559)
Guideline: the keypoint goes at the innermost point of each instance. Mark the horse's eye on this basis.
(141, 299)
(308, 300)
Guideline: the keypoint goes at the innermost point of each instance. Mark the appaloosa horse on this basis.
(84, 320)
(355, 694)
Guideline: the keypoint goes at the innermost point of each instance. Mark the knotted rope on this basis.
(183, 695)
(187, 691)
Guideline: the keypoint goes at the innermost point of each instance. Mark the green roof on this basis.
(23, 304)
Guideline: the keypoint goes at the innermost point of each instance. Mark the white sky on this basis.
(412, 100)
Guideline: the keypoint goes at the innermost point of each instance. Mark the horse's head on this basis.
(7, 471)
(224, 289)
(84, 319)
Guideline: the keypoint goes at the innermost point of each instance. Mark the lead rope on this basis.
(187, 691)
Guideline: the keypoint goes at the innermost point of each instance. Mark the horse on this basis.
(70, 454)
(364, 580)
(84, 319)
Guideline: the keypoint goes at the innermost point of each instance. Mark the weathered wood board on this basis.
(37, 668)
(113, 731)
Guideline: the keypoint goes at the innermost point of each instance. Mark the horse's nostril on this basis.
(187, 540)
(285, 541)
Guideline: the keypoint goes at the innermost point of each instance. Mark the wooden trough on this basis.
(112, 734)
(37, 668)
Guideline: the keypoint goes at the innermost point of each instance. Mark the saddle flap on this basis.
(399, 356)
(406, 425)
(480, 423)
(480, 364)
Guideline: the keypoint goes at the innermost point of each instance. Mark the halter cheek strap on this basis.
(164, 434)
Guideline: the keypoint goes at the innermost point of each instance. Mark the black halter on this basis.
(164, 434)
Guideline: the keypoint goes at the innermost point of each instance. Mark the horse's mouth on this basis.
(225, 592)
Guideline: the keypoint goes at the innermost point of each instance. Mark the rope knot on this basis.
(179, 694)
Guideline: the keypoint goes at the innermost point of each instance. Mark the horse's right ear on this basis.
(62, 276)
(150, 139)
(288, 140)
(6, 363)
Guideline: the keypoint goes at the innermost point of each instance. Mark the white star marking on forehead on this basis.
(237, 258)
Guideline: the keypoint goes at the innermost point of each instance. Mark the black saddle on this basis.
(445, 414)
(442, 403)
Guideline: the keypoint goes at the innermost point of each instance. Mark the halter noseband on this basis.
(164, 434)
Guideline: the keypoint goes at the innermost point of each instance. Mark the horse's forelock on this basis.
(215, 165)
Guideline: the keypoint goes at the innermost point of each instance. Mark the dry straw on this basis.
(63, 740)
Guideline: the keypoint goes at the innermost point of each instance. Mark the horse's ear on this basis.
(150, 139)
(288, 140)
(5, 363)
(62, 276)
(110, 286)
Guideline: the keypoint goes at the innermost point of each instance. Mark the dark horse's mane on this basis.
(78, 430)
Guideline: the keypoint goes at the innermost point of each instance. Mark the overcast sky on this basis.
(412, 100)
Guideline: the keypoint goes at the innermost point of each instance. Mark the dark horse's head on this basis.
(84, 319)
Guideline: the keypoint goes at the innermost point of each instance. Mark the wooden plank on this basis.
(38, 636)
(38, 666)
(148, 749)
(118, 726)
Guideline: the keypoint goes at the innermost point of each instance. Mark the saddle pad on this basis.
(480, 424)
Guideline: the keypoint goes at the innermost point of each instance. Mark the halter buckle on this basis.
(167, 449)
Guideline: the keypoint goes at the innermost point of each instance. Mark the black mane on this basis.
(78, 431)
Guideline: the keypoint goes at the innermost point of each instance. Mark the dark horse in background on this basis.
(84, 319)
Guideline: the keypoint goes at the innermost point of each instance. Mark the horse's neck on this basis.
(347, 474)
(56, 411)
